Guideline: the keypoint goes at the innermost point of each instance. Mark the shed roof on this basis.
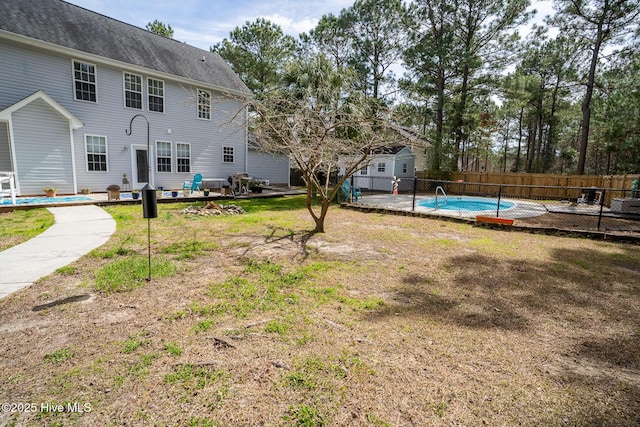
(73, 27)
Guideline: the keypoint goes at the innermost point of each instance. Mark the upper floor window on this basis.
(183, 157)
(204, 104)
(405, 168)
(382, 167)
(163, 157)
(133, 91)
(96, 149)
(155, 90)
(84, 81)
(364, 171)
(227, 155)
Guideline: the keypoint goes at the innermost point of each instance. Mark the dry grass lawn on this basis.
(380, 321)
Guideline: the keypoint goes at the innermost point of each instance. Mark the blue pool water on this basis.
(43, 200)
(471, 204)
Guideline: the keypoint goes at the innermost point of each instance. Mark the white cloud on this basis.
(293, 26)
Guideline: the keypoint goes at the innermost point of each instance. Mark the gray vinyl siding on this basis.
(393, 166)
(44, 152)
(5, 153)
(268, 166)
(27, 69)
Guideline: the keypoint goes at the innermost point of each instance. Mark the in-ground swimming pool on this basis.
(470, 204)
(43, 200)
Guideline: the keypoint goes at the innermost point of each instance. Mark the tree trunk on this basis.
(586, 103)
(506, 147)
(516, 167)
(459, 119)
(319, 219)
(540, 127)
(549, 149)
(531, 145)
(437, 149)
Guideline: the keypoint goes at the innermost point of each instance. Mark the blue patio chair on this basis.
(347, 192)
(193, 185)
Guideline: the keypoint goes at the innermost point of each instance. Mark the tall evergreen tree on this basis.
(595, 24)
(431, 59)
(258, 52)
(160, 28)
(484, 30)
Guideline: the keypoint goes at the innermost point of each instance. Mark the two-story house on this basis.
(71, 83)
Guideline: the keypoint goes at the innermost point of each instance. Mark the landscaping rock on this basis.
(212, 208)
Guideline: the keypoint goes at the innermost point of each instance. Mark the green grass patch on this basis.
(192, 377)
(172, 348)
(141, 368)
(190, 249)
(323, 295)
(67, 270)
(133, 343)
(58, 356)
(277, 327)
(130, 273)
(304, 416)
(111, 252)
(203, 325)
(19, 226)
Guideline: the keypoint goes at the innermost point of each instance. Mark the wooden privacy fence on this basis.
(535, 186)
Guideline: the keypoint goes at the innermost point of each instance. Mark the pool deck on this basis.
(404, 202)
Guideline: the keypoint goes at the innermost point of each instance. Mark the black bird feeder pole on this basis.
(149, 201)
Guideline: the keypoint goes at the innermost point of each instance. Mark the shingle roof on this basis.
(70, 26)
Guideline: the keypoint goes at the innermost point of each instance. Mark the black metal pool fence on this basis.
(576, 208)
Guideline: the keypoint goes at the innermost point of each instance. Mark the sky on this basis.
(203, 23)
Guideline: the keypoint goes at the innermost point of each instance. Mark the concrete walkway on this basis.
(76, 231)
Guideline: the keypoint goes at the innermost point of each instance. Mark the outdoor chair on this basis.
(193, 185)
(348, 192)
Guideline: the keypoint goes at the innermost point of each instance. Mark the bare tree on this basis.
(320, 119)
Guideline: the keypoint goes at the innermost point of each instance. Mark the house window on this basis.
(155, 89)
(227, 155)
(163, 157)
(404, 168)
(183, 157)
(133, 91)
(382, 167)
(364, 171)
(96, 148)
(84, 81)
(204, 104)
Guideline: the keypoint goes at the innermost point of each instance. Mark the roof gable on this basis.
(73, 27)
(5, 114)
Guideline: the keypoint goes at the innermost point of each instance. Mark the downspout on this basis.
(73, 160)
(246, 139)
(12, 151)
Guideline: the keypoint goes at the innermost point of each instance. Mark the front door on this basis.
(140, 166)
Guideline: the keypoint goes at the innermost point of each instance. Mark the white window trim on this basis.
(364, 171)
(124, 91)
(170, 156)
(198, 104)
(164, 91)
(190, 162)
(73, 80)
(382, 165)
(86, 153)
(233, 154)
